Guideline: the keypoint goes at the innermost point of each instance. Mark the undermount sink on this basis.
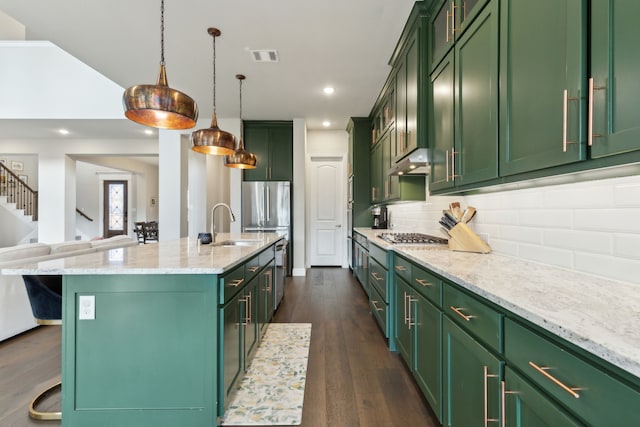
(237, 243)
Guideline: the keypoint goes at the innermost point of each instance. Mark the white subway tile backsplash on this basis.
(546, 255)
(627, 246)
(593, 227)
(582, 241)
(560, 218)
(608, 266)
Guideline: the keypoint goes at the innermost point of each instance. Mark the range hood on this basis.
(415, 163)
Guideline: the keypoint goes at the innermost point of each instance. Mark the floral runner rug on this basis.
(272, 390)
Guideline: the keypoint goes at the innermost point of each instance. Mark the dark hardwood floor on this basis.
(352, 378)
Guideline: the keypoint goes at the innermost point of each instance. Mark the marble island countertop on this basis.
(594, 313)
(183, 256)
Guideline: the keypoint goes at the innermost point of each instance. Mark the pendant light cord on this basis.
(214, 75)
(162, 32)
(241, 124)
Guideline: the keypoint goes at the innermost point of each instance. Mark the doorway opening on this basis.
(115, 208)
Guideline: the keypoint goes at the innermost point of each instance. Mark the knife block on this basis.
(463, 239)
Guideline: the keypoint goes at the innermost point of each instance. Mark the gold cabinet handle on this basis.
(401, 268)
(486, 375)
(375, 305)
(543, 371)
(376, 277)
(409, 301)
(424, 282)
(254, 269)
(565, 106)
(590, 134)
(446, 164)
(458, 311)
(503, 402)
(236, 283)
(406, 319)
(453, 164)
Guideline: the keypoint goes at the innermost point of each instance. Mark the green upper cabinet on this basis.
(542, 84)
(377, 183)
(272, 143)
(614, 90)
(359, 129)
(464, 142)
(450, 21)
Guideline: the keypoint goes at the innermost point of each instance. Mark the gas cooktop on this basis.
(412, 238)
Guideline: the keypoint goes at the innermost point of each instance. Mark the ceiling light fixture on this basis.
(326, 123)
(241, 158)
(148, 132)
(158, 105)
(213, 140)
(328, 90)
(63, 131)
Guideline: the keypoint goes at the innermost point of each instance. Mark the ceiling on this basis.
(345, 44)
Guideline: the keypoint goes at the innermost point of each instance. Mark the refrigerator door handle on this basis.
(268, 200)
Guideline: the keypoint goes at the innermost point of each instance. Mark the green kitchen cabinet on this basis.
(377, 178)
(231, 320)
(472, 376)
(272, 143)
(525, 406)
(614, 93)
(464, 144)
(542, 84)
(359, 130)
(418, 330)
(265, 297)
(379, 287)
(450, 20)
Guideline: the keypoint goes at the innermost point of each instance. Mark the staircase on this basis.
(18, 209)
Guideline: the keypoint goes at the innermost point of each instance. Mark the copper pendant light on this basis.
(241, 158)
(158, 105)
(213, 140)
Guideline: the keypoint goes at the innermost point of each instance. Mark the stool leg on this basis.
(38, 415)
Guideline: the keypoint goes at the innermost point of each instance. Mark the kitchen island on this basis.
(143, 334)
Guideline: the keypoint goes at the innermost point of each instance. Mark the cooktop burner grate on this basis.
(412, 238)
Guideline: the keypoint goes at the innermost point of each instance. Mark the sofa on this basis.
(15, 310)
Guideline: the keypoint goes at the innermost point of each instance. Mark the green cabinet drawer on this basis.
(473, 315)
(378, 277)
(378, 254)
(428, 285)
(583, 388)
(252, 267)
(231, 283)
(402, 267)
(379, 309)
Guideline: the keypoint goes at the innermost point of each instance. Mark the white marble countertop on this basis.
(594, 313)
(183, 256)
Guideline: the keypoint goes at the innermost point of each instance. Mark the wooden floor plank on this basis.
(352, 378)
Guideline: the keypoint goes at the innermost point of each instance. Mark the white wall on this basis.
(589, 226)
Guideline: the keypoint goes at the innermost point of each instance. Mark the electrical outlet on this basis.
(87, 307)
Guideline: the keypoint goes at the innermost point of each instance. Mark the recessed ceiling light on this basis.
(63, 131)
(148, 131)
(328, 90)
(326, 123)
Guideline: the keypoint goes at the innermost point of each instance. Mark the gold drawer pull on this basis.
(401, 268)
(375, 305)
(486, 375)
(236, 282)
(424, 283)
(375, 276)
(457, 310)
(254, 269)
(543, 371)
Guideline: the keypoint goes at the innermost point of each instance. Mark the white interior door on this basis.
(327, 211)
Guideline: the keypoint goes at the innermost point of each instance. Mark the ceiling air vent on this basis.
(265, 55)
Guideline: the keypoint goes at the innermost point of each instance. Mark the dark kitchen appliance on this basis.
(266, 207)
(380, 217)
(404, 238)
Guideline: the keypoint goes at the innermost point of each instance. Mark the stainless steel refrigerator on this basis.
(266, 206)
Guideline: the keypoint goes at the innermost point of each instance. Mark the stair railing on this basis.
(18, 192)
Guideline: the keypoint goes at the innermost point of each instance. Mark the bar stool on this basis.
(45, 297)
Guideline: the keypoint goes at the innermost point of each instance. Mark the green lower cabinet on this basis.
(427, 330)
(231, 362)
(402, 333)
(525, 406)
(250, 321)
(265, 294)
(418, 338)
(471, 376)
